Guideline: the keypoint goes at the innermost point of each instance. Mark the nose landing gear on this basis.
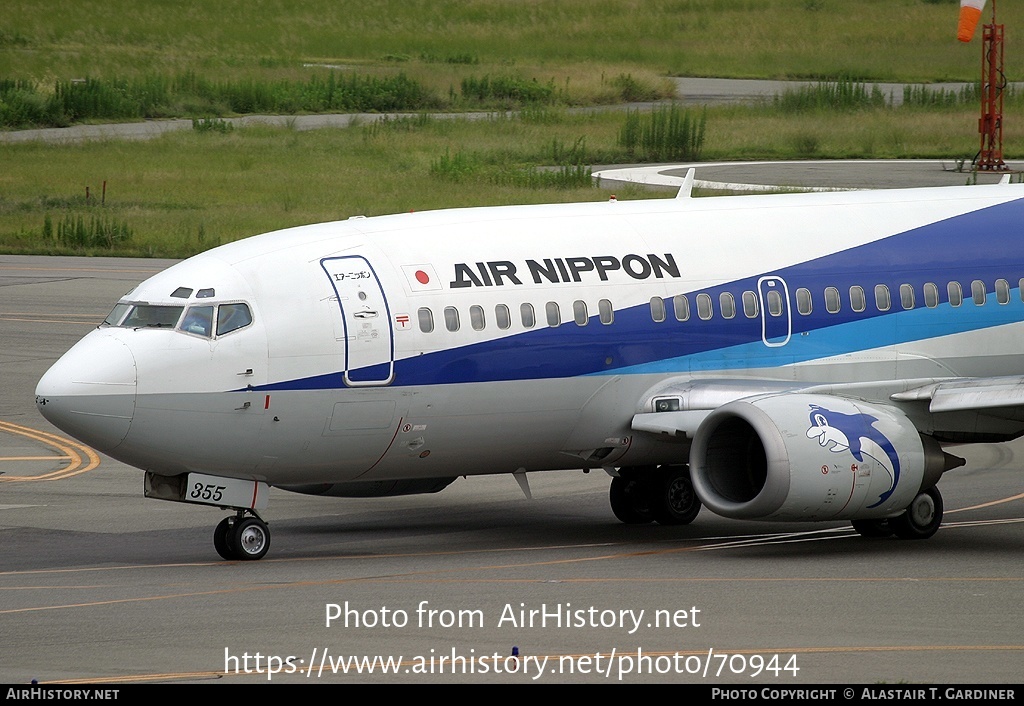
(242, 538)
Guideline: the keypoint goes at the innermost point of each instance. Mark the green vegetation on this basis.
(79, 233)
(442, 41)
(211, 125)
(463, 167)
(188, 191)
(191, 190)
(852, 95)
(115, 60)
(830, 95)
(665, 134)
(23, 103)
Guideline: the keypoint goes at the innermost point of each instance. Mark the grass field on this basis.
(189, 191)
(574, 40)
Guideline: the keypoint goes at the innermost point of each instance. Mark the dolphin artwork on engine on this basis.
(848, 432)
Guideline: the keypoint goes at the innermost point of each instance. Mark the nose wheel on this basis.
(241, 538)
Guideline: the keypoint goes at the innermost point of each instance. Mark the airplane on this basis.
(785, 357)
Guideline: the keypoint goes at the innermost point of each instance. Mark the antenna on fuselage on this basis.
(524, 484)
(687, 186)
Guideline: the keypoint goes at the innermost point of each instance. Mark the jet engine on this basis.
(812, 457)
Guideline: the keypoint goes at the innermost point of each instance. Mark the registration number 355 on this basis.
(207, 491)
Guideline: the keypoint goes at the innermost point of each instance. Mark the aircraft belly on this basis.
(500, 427)
(332, 435)
(393, 432)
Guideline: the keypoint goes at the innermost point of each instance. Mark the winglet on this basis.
(687, 186)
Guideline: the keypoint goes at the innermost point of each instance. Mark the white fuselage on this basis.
(474, 341)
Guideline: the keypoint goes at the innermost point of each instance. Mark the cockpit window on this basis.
(181, 293)
(115, 316)
(199, 320)
(206, 293)
(152, 315)
(202, 320)
(231, 317)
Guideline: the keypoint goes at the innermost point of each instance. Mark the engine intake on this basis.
(812, 457)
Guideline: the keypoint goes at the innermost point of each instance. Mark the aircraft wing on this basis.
(693, 403)
(968, 394)
(679, 407)
(683, 423)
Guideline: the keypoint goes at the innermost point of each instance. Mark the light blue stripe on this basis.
(892, 329)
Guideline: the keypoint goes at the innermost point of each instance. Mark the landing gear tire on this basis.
(922, 517)
(673, 499)
(222, 539)
(630, 501)
(250, 539)
(239, 538)
(872, 529)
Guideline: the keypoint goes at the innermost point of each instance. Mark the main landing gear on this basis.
(920, 520)
(663, 494)
(242, 538)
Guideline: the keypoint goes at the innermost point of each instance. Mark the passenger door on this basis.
(363, 308)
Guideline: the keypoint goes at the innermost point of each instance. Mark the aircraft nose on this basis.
(90, 392)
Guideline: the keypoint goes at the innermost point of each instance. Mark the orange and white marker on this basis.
(970, 13)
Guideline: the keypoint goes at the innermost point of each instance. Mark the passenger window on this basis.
(198, 320)
(882, 300)
(681, 307)
(231, 317)
(727, 303)
(451, 318)
(750, 305)
(858, 302)
(657, 309)
(579, 313)
(426, 318)
(502, 316)
(476, 317)
(527, 315)
(978, 292)
(956, 294)
(1002, 291)
(554, 314)
(704, 310)
(803, 301)
(907, 296)
(832, 303)
(607, 313)
(931, 295)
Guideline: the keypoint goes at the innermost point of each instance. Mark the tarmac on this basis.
(101, 586)
(811, 175)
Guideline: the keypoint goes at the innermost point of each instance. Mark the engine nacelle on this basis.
(811, 457)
